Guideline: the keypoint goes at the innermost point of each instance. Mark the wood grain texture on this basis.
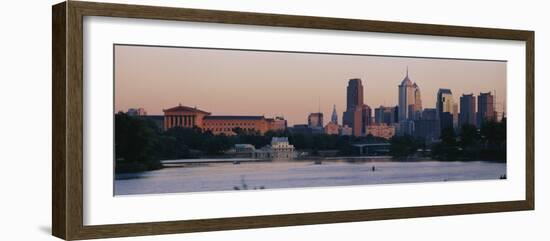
(67, 78)
(59, 192)
(530, 120)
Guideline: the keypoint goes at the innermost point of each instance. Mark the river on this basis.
(293, 174)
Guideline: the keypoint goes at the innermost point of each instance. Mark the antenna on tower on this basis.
(407, 71)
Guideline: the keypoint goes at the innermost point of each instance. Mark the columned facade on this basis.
(188, 117)
(183, 116)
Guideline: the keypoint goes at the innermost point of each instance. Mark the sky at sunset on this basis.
(235, 82)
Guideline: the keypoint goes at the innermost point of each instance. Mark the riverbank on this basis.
(133, 167)
(298, 174)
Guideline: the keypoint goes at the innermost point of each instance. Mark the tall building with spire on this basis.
(409, 106)
(357, 114)
(334, 117)
(410, 102)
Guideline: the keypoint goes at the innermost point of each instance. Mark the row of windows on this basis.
(229, 124)
(229, 129)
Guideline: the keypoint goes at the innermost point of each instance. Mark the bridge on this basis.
(364, 148)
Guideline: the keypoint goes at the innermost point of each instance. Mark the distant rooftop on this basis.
(185, 108)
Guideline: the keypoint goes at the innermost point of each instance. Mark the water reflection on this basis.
(200, 177)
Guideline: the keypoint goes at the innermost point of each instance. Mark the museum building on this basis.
(188, 117)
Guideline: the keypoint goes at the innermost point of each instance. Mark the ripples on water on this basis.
(285, 174)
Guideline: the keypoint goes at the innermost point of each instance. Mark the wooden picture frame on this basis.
(67, 124)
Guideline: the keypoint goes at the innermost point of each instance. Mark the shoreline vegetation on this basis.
(140, 144)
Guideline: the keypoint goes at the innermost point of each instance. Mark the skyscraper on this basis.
(384, 115)
(485, 108)
(444, 108)
(427, 127)
(417, 102)
(334, 117)
(354, 93)
(410, 104)
(455, 115)
(444, 101)
(357, 114)
(467, 110)
(315, 120)
(406, 97)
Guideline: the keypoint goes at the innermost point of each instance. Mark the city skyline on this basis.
(286, 84)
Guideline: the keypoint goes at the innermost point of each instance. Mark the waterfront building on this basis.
(485, 108)
(279, 149)
(444, 106)
(188, 117)
(244, 150)
(381, 130)
(467, 110)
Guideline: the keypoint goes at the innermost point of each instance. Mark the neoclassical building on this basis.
(183, 116)
(189, 117)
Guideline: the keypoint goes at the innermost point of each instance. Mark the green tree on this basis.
(469, 142)
(135, 142)
(447, 149)
(403, 146)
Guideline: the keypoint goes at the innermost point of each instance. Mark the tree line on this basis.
(140, 143)
(468, 143)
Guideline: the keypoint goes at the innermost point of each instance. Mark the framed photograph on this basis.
(170, 120)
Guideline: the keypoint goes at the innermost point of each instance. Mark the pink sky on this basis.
(234, 82)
